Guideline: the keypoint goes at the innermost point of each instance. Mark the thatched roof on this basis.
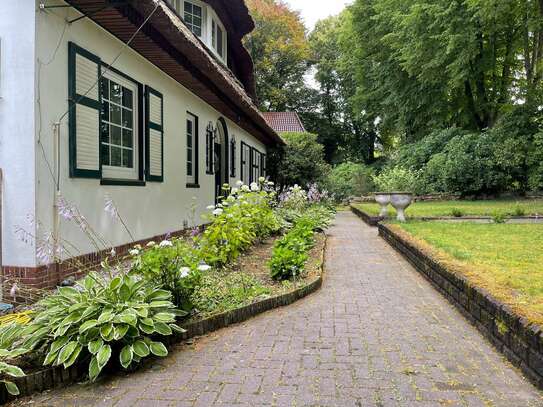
(170, 45)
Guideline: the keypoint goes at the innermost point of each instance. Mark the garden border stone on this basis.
(374, 221)
(370, 220)
(514, 336)
(55, 377)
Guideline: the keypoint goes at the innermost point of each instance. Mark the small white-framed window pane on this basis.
(118, 146)
(193, 16)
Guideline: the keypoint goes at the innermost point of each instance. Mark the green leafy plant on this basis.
(519, 211)
(396, 179)
(100, 319)
(174, 265)
(240, 220)
(498, 217)
(457, 213)
(290, 253)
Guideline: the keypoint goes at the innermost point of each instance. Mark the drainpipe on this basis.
(56, 197)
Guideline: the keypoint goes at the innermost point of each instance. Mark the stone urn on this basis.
(401, 201)
(383, 199)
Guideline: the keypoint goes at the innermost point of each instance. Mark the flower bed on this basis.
(144, 302)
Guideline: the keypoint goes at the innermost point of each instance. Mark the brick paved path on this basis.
(377, 334)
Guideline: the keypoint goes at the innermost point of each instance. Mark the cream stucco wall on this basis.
(154, 209)
(17, 128)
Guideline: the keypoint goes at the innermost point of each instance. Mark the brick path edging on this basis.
(54, 377)
(512, 335)
(372, 221)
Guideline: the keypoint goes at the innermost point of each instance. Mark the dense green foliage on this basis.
(448, 90)
(280, 52)
(302, 161)
(290, 253)
(349, 180)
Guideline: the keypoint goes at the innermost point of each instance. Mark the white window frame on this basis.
(191, 179)
(214, 19)
(121, 173)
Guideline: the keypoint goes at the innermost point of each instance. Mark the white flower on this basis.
(234, 191)
(239, 183)
(261, 179)
(166, 243)
(113, 253)
(218, 212)
(254, 187)
(210, 207)
(151, 244)
(245, 188)
(204, 267)
(270, 184)
(184, 272)
(134, 252)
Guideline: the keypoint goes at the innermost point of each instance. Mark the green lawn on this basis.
(464, 208)
(506, 259)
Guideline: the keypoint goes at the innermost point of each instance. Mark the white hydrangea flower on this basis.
(270, 184)
(261, 179)
(234, 191)
(211, 207)
(151, 244)
(204, 267)
(245, 188)
(184, 272)
(134, 252)
(239, 183)
(166, 243)
(218, 212)
(254, 187)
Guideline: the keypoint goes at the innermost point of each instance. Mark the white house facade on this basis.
(147, 104)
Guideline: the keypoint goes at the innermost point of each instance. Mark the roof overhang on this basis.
(169, 44)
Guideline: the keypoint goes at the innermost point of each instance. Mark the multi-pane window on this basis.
(118, 147)
(255, 165)
(192, 148)
(245, 157)
(194, 18)
(218, 38)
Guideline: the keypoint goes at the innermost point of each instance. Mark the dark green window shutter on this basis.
(263, 165)
(84, 70)
(154, 135)
(210, 147)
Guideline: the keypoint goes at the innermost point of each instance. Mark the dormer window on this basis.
(202, 20)
(194, 18)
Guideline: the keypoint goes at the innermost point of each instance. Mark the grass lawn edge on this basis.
(518, 338)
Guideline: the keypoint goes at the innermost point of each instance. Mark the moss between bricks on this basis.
(514, 336)
(55, 377)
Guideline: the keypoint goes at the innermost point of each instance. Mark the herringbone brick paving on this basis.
(377, 334)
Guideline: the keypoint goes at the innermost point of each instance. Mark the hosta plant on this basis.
(290, 253)
(101, 319)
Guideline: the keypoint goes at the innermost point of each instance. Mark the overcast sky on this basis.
(314, 10)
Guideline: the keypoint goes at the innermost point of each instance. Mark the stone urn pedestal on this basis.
(401, 201)
(383, 199)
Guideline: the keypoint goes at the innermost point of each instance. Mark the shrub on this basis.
(243, 218)
(100, 319)
(172, 265)
(396, 179)
(535, 164)
(350, 180)
(303, 160)
(457, 213)
(415, 156)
